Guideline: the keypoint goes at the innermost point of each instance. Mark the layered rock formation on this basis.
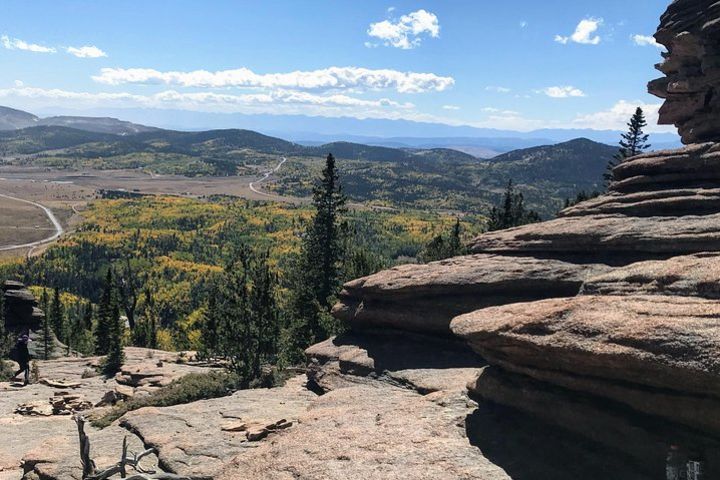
(604, 321)
(21, 308)
(690, 30)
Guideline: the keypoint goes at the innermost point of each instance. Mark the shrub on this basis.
(190, 388)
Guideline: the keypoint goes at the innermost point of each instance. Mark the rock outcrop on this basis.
(687, 276)
(627, 360)
(21, 308)
(657, 354)
(690, 30)
(424, 298)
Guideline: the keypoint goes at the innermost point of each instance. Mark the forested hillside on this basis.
(173, 248)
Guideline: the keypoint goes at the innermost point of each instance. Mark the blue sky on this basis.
(518, 64)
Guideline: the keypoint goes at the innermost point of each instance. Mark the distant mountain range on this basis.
(411, 173)
(482, 142)
(11, 119)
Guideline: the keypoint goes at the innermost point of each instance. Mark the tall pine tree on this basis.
(315, 277)
(57, 315)
(632, 143)
(104, 316)
(109, 333)
(324, 241)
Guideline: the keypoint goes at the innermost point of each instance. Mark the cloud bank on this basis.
(332, 78)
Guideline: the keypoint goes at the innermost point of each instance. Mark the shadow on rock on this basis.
(549, 432)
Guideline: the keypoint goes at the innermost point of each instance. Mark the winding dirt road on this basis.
(265, 176)
(56, 224)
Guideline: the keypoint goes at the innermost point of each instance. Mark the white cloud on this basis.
(17, 44)
(19, 83)
(450, 107)
(87, 51)
(584, 33)
(496, 89)
(278, 102)
(617, 116)
(562, 92)
(332, 78)
(646, 41)
(407, 31)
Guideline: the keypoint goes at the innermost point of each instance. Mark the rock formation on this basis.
(21, 308)
(690, 30)
(604, 322)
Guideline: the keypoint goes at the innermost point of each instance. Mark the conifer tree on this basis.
(115, 355)
(104, 317)
(324, 240)
(109, 334)
(315, 276)
(57, 316)
(47, 338)
(632, 143)
(512, 211)
(440, 248)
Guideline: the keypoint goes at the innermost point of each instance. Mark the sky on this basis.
(517, 64)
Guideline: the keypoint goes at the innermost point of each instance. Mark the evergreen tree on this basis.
(315, 277)
(57, 316)
(87, 320)
(109, 317)
(47, 337)
(440, 248)
(241, 323)
(264, 312)
(104, 317)
(512, 211)
(632, 143)
(324, 240)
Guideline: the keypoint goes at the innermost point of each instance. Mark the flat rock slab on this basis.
(194, 439)
(690, 276)
(368, 432)
(671, 201)
(424, 298)
(612, 239)
(657, 354)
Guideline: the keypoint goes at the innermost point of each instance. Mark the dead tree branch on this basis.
(90, 471)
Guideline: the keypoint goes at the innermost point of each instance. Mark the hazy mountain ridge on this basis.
(316, 130)
(427, 178)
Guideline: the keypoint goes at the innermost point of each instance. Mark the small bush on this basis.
(6, 371)
(190, 388)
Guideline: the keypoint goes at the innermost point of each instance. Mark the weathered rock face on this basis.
(21, 308)
(688, 276)
(690, 30)
(656, 354)
(612, 239)
(424, 298)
